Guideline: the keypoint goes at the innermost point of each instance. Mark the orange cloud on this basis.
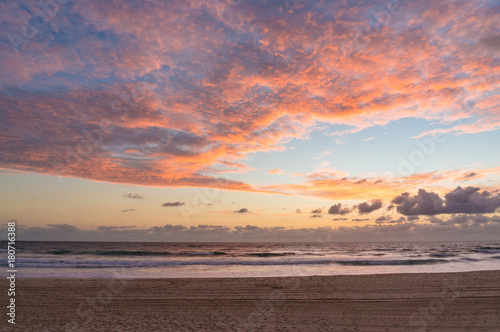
(174, 94)
(339, 187)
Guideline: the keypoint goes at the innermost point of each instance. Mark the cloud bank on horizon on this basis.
(460, 227)
(184, 93)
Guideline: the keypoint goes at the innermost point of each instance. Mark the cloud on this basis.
(242, 211)
(106, 105)
(114, 228)
(360, 219)
(388, 220)
(212, 227)
(491, 42)
(281, 172)
(470, 175)
(316, 213)
(338, 185)
(459, 228)
(169, 204)
(338, 209)
(435, 220)
(382, 219)
(466, 220)
(167, 228)
(366, 207)
(459, 200)
(128, 210)
(63, 228)
(133, 196)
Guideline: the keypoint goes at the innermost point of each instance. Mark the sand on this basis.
(386, 302)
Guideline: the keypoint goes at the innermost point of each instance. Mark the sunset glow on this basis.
(250, 120)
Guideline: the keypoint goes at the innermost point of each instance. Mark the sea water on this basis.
(199, 260)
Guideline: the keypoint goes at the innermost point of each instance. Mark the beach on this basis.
(465, 301)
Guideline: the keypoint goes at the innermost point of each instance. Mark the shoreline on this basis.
(456, 301)
(124, 274)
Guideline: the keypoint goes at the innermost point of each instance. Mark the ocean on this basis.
(219, 260)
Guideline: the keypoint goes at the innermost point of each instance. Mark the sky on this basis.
(235, 120)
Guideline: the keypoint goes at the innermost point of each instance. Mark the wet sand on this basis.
(467, 301)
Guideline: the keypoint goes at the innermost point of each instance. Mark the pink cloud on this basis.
(177, 93)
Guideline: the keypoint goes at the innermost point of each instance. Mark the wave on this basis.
(84, 263)
(130, 263)
(132, 253)
(157, 253)
(393, 262)
(271, 254)
(442, 255)
(135, 253)
(198, 253)
(488, 251)
(59, 252)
